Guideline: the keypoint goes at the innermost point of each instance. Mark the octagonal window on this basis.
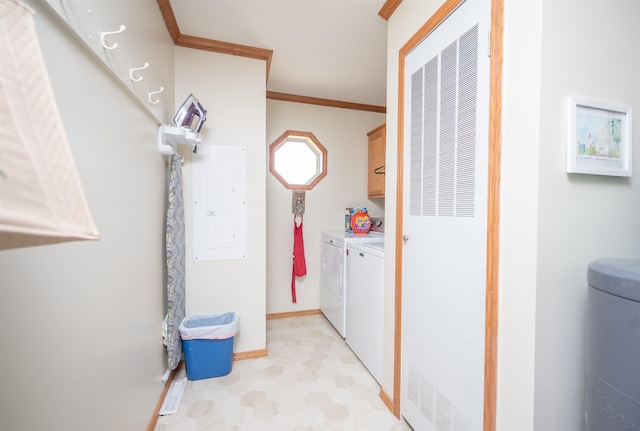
(298, 160)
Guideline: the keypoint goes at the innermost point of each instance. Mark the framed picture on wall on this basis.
(598, 138)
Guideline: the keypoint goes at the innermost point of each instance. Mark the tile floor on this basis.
(311, 381)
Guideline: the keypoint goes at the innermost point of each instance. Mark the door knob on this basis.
(405, 238)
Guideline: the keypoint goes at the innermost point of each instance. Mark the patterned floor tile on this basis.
(311, 381)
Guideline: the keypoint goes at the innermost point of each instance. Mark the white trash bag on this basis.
(210, 326)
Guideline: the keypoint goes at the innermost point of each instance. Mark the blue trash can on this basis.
(207, 343)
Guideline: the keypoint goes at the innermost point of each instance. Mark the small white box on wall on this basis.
(219, 203)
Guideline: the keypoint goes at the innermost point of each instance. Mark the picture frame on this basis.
(598, 138)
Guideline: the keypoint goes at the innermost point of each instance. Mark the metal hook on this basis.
(153, 102)
(134, 69)
(103, 35)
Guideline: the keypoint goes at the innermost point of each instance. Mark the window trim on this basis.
(299, 136)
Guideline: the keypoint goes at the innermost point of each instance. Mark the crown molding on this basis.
(228, 48)
(388, 8)
(325, 102)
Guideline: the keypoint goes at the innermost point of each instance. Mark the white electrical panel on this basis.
(219, 203)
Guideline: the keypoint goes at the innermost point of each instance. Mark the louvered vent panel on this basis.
(430, 153)
(415, 192)
(430, 138)
(427, 399)
(446, 159)
(413, 386)
(443, 132)
(460, 421)
(443, 412)
(466, 157)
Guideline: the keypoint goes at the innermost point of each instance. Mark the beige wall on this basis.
(519, 215)
(233, 90)
(343, 132)
(81, 323)
(590, 50)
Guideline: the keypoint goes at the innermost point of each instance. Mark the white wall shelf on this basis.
(169, 137)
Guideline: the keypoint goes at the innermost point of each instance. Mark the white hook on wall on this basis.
(103, 35)
(134, 69)
(153, 102)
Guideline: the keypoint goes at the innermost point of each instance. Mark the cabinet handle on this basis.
(380, 170)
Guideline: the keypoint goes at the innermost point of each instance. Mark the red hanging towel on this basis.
(299, 263)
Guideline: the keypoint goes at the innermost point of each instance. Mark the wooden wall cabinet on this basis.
(377, 156)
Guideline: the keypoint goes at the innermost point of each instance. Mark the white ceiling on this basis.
(331, 49)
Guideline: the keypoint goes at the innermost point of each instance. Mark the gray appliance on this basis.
(612, 399)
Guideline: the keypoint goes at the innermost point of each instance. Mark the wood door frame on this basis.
(493, 205)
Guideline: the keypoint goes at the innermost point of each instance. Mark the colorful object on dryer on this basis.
(360, 222)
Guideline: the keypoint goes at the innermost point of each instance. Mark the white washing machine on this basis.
(365, 304)
(333, 282)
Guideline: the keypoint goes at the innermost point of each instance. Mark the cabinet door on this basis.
(377, 149)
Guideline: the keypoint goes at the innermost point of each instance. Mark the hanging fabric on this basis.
(299, 263)
(42, 199)
(175, 244)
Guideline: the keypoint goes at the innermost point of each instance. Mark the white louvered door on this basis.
(445, 204)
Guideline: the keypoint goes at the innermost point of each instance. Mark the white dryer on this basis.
(333, 275)
(365, 304)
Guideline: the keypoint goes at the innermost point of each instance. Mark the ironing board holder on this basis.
(169, 137)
